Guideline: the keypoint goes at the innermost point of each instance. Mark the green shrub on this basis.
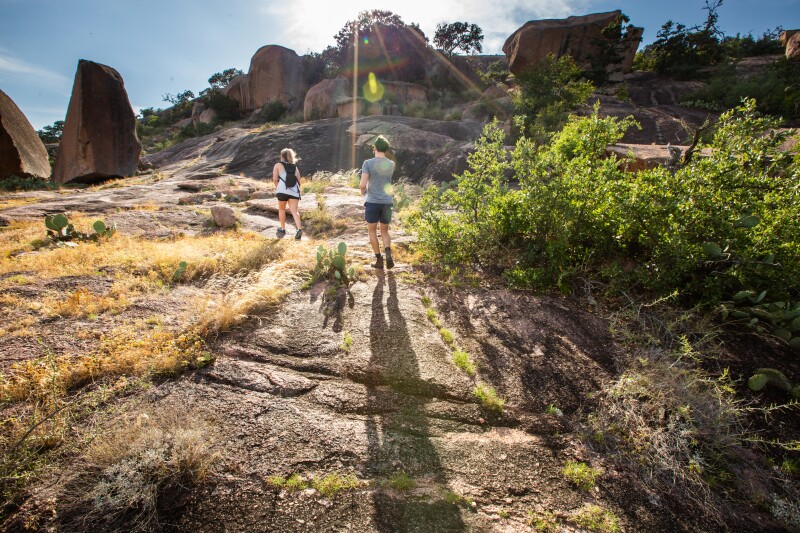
(715, 226)
(548, 94)
(272, 111)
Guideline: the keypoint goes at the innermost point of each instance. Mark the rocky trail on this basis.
(359, 382)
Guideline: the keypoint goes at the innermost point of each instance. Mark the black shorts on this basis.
(284, 197)
(374, 213)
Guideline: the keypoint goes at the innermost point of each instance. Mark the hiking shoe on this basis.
(389, 260)
(281, 233)
(298, 234)
(378, 262)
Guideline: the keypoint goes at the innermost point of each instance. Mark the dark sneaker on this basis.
(281, 233)
(389, 260)
(298, 234)
(378, 263)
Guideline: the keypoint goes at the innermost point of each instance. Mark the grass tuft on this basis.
(488, 398)
(334, 483)
(461, 360)
(129, 470)
(580, 474)
(401, 481)
(595, 518)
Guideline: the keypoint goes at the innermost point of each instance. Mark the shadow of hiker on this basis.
(398, 437)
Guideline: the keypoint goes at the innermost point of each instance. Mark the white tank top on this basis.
(293, 191)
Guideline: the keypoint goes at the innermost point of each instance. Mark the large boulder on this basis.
(99, 139)
(574, 36)
(792, 40)
(323, 98)
(22, 152)
(276, 73)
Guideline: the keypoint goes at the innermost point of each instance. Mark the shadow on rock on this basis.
(401, 443)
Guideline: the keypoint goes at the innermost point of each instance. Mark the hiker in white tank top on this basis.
(281, 172)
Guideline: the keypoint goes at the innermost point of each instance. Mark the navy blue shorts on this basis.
(374, 213)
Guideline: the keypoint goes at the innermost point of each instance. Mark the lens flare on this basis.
(373, 90)
(366, 40)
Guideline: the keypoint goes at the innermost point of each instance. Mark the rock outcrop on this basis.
(494, 102)
(333, 98)
(423, 149)
(574, 36)
(323, 98)
(791, 40)
(99, 139)
(239, 90)
(275, 73)
(22, 152)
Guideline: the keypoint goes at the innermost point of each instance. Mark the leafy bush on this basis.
(716, 226)
(225, 107)
(548, 93)
(777, 90)
(272, 111)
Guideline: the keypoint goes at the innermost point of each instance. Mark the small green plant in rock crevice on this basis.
(580, 474)
(333, 264)
(347, 342)
(595, 518)
(401, 481)
(488, 398)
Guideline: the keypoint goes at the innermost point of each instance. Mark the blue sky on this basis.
(168, 46)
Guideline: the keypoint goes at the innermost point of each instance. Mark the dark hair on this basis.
(381, 144)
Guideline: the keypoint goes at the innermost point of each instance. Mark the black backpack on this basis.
(291, 175)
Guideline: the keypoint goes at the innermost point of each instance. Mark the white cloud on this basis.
(10, 65)
(311, 24)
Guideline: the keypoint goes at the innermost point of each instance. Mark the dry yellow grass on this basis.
(227, 253)
(8, 203)
(236, 300)
(239, 282)
(82, 303)
(127, 351)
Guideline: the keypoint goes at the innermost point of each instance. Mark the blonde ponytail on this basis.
(289, 155)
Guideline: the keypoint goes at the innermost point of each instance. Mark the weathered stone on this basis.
(786, 35)
(224, 216)
(190, 186)
(793, 48)
(323, 98)
(267, 205)
(236, 194)
(574, 36)
(262, 195)
(198, 198)
(239, 89)
(22, 152)
(647, 156)
(406, 94)
(207, 116)
(99, 139)
(276, 73)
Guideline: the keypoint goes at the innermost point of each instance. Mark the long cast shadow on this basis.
(399, 437)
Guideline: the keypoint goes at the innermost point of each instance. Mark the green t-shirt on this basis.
(379, 186)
